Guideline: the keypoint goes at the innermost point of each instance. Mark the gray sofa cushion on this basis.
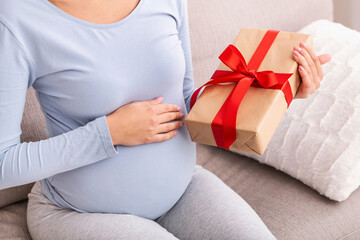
(13, 222)
(14, 194)
(33, 122)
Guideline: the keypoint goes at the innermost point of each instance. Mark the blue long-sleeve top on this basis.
(81, 72)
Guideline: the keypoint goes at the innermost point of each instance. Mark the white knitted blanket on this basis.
(318, 140)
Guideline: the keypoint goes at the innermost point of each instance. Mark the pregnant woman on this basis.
(114, 80)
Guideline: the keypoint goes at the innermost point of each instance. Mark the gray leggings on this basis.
(208, 209)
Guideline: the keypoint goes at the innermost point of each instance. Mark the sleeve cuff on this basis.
(104, 131)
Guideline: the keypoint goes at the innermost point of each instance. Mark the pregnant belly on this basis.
(144, 180)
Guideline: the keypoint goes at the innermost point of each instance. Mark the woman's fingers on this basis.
(306, 86)
(163, 108)
(155, 100)
(315, 59)
(167, 127)
(314, 71)
(158, 108)
(324, 58)
(169, 116)
(164, 136)
(300, 59)
(309, 68)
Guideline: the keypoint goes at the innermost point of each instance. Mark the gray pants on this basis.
(208, 209)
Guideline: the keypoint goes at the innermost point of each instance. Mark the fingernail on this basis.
(303, 44)
(181, 115)
(302, 68)
(297, 48)
(175, 132)
(182, 124)
(296, 53)
(160, 98)
(178, 108)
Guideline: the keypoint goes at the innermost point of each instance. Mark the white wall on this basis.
(347, 12)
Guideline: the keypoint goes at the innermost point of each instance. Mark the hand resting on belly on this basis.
(143, 122)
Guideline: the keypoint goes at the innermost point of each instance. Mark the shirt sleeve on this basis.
(184, 36)
(22, 163)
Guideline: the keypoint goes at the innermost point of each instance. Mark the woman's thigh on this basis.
(48, 221)
(209, 209)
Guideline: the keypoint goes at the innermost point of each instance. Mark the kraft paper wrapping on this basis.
(261, 110)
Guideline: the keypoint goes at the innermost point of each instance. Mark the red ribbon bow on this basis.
(245, 75)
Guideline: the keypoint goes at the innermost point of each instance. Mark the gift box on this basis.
(247, 96)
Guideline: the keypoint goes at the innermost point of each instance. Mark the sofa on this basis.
(289, 208)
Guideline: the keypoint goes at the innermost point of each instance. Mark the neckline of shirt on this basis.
(90, 24)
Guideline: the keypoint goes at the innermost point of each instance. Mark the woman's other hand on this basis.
(309, 68)
(144, 122)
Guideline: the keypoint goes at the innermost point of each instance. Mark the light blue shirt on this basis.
(81, 72)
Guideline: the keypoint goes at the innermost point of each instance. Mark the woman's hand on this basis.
(309, 68)
(144, 122)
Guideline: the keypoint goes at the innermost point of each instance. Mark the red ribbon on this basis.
(245, 75)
